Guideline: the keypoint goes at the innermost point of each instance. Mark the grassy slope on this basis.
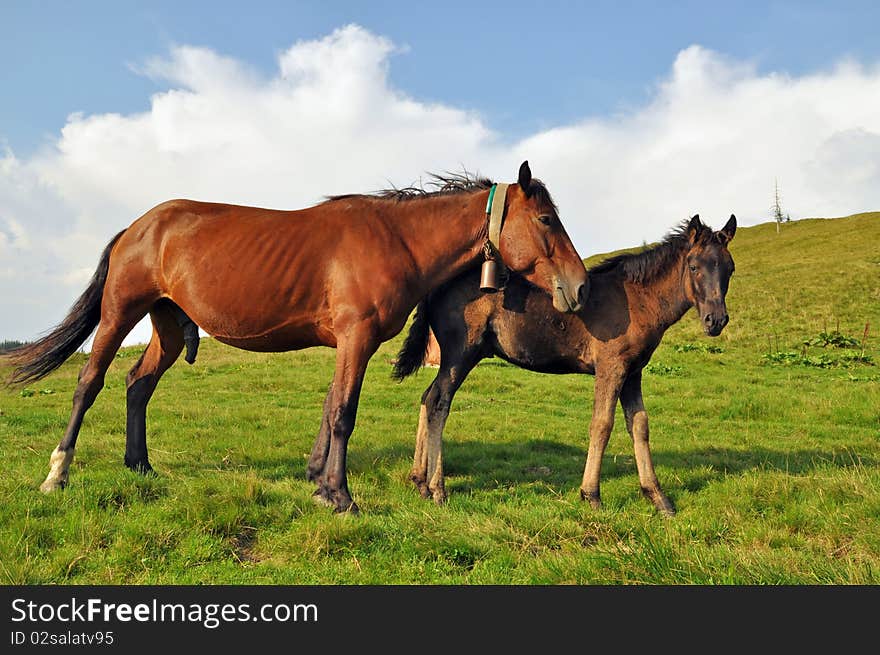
(775, 469)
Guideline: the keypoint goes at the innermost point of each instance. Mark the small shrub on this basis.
(698, 347)
(834, 339)
(657, 368)
(822, 360)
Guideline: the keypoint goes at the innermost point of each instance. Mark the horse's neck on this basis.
(665, 294)
(444, 235)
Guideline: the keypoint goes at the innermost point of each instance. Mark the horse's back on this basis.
(251, 275)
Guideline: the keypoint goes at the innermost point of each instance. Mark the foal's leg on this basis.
(353, 353)
(419, 472)
(607, 391)
(436, 404)
(637, 426)
(107, 340)
(164, 348)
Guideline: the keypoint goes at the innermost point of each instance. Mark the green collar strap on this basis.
(495, 210)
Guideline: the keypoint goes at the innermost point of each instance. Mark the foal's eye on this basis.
(693, 268)
(546, 220)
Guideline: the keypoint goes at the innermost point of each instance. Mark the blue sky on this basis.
(636, 115)
(525, 66)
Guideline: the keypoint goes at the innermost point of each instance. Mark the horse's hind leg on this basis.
(164, 348)
(107, 340)
(637, 426)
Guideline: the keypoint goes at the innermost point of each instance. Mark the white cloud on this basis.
(712, 141)
(713, 138)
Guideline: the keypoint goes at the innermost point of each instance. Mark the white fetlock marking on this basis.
(59, 465)
(420, 458)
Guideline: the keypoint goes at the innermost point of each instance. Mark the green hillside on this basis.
(766, 438)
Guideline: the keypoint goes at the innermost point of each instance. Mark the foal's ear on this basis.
(525, 176)
(728, 230)
(694, 228)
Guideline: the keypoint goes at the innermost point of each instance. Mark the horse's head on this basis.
(708, 267)
(534, 244)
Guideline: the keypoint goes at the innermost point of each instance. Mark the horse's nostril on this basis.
(707, 318)
(581, 294)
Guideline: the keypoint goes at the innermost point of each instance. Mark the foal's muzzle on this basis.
(714, 322)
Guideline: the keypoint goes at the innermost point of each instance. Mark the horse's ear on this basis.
(525, 176)
(728, 230)
(694, 228)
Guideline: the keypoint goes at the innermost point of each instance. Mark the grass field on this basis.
(767, 439)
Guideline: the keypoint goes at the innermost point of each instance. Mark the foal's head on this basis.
(535, 244)
(707, 273)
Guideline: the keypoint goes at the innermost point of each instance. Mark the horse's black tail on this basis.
(412, 353)
(36, 360)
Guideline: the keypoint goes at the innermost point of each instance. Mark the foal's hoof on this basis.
(424, 492)
(593, 497)
(421, 484)
(663, 505)
(49, 486)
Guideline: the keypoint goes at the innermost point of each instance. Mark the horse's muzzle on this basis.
(569, 299)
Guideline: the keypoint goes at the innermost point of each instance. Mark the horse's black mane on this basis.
(445, 185)
(642, 267)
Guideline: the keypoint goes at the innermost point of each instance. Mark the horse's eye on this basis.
(693, 268)
(546, 220)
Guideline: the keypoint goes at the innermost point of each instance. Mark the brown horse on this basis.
(345, 273)
(633, 299)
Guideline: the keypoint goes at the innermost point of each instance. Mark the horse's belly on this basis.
(282, 339)
(289, 330)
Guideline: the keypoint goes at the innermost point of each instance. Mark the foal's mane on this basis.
(447, 184)
(642, 267)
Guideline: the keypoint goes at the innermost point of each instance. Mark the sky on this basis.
(636, 115)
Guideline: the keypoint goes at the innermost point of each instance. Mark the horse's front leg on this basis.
(607, 391)
(637, 426)
(352, 355)
(321, 447)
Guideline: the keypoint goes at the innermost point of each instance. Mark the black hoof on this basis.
(140, 466)
(321, 496)
(351, 509)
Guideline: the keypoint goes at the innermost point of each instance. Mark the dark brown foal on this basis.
(632, 301)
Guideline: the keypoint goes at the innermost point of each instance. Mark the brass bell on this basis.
(489, 282)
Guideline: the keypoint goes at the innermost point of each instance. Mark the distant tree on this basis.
(777, 207)
(8, 345)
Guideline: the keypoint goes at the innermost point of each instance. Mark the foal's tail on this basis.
(412, 353)
(35, 361)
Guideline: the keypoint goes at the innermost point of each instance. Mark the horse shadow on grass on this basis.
(475, 466)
